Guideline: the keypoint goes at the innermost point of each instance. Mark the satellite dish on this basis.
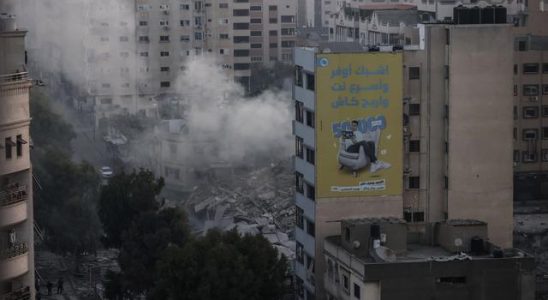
(458, 242)
(385, 254)
(356, 244)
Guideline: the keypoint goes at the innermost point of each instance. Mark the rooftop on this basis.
(425, 253)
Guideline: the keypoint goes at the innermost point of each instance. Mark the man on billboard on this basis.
(360, 150)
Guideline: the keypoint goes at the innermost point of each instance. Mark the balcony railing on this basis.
(13, 251)
(13, 194)
(14, 77)
(20, 294)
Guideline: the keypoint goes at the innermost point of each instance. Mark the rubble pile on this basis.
(252, 202)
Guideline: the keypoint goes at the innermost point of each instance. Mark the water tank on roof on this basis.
(500, 15)
(488, 15)
(7, 23)
(475, 15)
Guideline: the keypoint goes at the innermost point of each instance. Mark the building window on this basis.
(299, 76)
(299, 111)
(347, 234)
(545, 89)
(414, 109)
(310, 118)
(198, 36)
(415, 146)
(240, 12)
(164, 38)
(544, 68)
(256, 33)
(223, 5)
(530, 68)
(413, 217)
(530, 134)
(273, 20)
(241, 52)
(223, 36)
(309, 81)
(530, 90)
(528, 157)
(241, 39)
(299, 214)
(545, 110)
(310, 192)
(515, 134)
(143, 23)
(310, 228)
(288, 31)
(273, 45)
(164, 53)
(545, 133)
(164, 69)
(256, 46)
(451, 280)
(124, 39)
(544, 155)
(299, 182)
(516, 155)
(255, 8)
(346, 281)
(299, 249)
(515, 89)
(8, 145)
(357, 291)
(515, 69)
(185, 38)
(288, 44)
(241, 66)
(184, 7)
(165, 84)
(272, 8)
(414, 182)
(287, 19)
(414, 73)
(143, 39)
(299, 147)
(255, 21)
(240, 26)
(310, 156)
(530, 112)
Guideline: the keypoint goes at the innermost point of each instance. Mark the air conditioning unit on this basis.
(533, 98)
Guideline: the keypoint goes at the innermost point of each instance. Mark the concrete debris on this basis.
(252, 202)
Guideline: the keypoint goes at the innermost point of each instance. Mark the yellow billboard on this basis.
(358, 124)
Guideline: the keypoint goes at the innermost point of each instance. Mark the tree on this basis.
(142, 246)
(66, 196)
(222, 266)
(124, 198)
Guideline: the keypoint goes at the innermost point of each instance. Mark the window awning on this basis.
(21, 140)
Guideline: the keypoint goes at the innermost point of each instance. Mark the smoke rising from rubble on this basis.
(240, 127)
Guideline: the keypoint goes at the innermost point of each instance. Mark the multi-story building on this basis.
(16, 209)
(236, 33)
(530, 92)
(372, 258)
(456, 149)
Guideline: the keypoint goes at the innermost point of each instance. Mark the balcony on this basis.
(14, 78)
(14, 261)
(19, 294)
(13, 205)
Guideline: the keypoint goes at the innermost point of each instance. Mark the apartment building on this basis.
(530, 92)
(456, 137)
(237, 33)
(372, 258)
(16, 209)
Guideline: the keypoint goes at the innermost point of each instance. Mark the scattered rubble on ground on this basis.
(252, 202)
(531, 235)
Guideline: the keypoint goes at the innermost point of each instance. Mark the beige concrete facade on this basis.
(16, 205)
